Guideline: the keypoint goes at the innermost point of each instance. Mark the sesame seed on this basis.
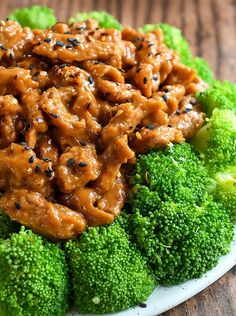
(70, 162)
(90, 79)
(188, 108)
(150, 126)
(31, 159)
(63, 65)
(46, 159)
(150, 45)
(36, 73)
(37, 169)
(82, 164)
(17, 205)
(49, 172)
(149, 54)
(61, 44)
(39, 119)
(155, 77)
(27, 147)
(143, 305)
(165, 97)
(138, 70)
(3, 47)
(69, 46)
(47, 40)
(144, 80)
(31, 66)
(54, 115)
(82, 143)
(81, 28)
(140, 47)
(11, 56)
(70, 40)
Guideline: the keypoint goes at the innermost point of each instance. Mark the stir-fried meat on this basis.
(34, 211)
(77, 167)
(20, 168)
(77, 102)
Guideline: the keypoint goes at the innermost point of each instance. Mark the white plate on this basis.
(165, 298)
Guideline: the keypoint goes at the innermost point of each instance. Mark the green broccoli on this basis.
(34, 277)
(216, 141)
(183, 241)
(103, 18)
(225, 191)
(7, 226)
(35, 17)
(174, 174)
(222, 95)
(174, 39)
(108, 272)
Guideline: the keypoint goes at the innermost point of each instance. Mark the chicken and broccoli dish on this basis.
(117, 163)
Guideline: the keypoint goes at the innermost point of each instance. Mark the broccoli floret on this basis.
(103, 18)
(225, 191)
(175, 174)
(33, 277)
(216, 141)
(35, 17)
(108, 272)
(183, 241)
(220, 95)
(175, 40)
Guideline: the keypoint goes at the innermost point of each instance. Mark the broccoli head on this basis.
(225, 191)
(216, 141)
(175, 174)
(35, 17)
(7, 226)
(34, 277)
(183, 241)
(220, 95)
(108, 272)
(103, 18)
(175, 40)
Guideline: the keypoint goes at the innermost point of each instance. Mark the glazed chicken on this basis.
(77, 103)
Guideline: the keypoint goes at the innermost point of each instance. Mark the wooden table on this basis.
(209, 25)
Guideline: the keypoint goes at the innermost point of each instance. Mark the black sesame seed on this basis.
(82, 143)
(155, 77)
(63, 65)
(82, 164)
(11, 56)
(49, 173)
(150, 45)
(69, 46)
(75, 44)
(96, 62)
(90, 79)
(37, 169)
(47, 40)
(54, 115)
(80, 28)
(150, 126)
(157, 54)
(178, 111)
(39, 119)
(165, 97)
(31, 66)
(70, 40)
(3, 47)
(46, 159)
(188, 108)
(140, 47)
(31, 159)
(149, 54)
(144, 80)
(61, 44)
(17, 206)
(27, 147)
(70, 162)
(36, 73)
(138, 70)
(143, 305)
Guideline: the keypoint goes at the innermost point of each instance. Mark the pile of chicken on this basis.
(77, 103)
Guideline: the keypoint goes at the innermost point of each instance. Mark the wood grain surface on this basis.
(210, 27)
